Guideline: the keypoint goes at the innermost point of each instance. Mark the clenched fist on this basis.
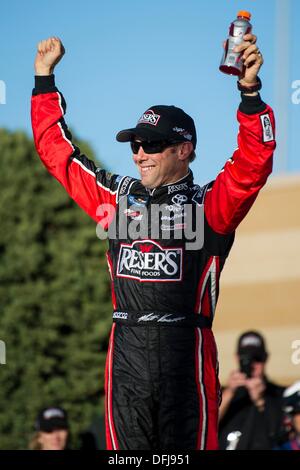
(49, 53)
(252, 59)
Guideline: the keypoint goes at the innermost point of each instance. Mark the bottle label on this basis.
(239, 32)
(231, 59)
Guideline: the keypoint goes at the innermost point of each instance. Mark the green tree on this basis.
(55, 309)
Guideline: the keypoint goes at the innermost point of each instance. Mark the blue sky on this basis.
(124, 56)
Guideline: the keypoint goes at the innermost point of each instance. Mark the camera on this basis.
(246, 361)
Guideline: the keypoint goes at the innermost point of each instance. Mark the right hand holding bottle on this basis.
(49, 53)
(252, 59)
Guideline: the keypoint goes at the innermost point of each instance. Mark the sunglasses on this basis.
(152, 147)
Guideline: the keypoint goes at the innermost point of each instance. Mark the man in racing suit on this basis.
(162, 389)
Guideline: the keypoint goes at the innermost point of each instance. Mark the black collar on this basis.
(181, 185)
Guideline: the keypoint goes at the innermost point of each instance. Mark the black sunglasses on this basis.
(152, 147)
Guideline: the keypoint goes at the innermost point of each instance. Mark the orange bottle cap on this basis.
(244, 14)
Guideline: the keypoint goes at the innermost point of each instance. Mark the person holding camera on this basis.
(250, 414)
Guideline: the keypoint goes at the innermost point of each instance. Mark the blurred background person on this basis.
(250, 414)
(291, 409)
(52, 430)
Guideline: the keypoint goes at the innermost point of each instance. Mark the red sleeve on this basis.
(238, 184)
(89, 186)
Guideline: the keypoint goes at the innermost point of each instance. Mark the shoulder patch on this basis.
(124, 186)
(199, 195)
(267, 129)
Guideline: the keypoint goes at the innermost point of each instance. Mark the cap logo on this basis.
(251, 341)
(53, 413)
(183, 132)
(149, 117)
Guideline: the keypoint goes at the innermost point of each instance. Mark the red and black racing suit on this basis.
(162, 388)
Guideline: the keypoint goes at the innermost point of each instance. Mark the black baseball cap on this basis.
(52, 418)
(162, 122)
(252, 343)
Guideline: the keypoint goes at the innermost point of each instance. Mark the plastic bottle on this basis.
(231, 62)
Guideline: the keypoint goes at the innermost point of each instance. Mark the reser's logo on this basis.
(177, 187)
(147, 261)
(149, 117)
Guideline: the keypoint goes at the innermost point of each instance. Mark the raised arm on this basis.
(245, 173)
(88, 185)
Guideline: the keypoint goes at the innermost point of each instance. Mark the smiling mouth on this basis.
(146, 169)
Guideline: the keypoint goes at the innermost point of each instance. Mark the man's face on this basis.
(168, 166)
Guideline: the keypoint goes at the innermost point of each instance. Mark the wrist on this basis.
(254, 93)
(43, 71)
(230, 392)
(247, 83)
(249, 88)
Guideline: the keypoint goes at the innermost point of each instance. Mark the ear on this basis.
(185, 150)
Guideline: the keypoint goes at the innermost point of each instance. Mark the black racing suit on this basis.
(162, 388)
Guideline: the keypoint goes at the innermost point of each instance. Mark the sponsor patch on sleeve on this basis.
(268, 134)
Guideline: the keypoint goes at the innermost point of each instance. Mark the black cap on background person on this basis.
(50, 419)
(252, 343)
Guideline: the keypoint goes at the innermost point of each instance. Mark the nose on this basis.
(140, 156)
